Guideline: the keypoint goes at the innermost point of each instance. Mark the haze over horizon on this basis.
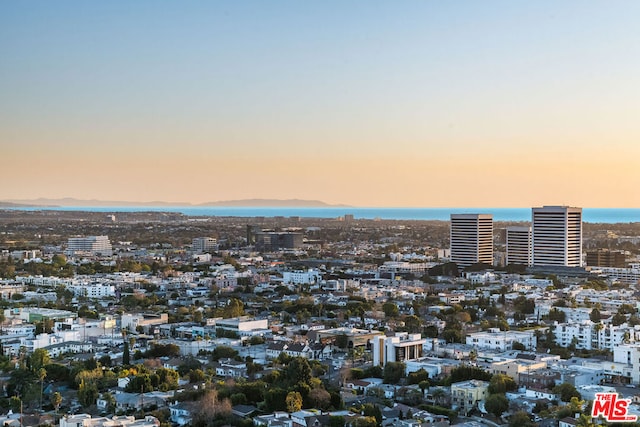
(380, 104)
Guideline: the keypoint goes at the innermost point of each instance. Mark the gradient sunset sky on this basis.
(366, 103)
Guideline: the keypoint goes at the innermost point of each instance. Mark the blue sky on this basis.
(296, 99)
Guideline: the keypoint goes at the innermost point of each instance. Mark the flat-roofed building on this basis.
(466, 395)
(518, 245)
(398, 348)
(147, 322)
(354, 337)
(556, 236)
(495, 339)
(204, 244)
(606, 258)
(244, 326)
(92, 245)
(471, 239)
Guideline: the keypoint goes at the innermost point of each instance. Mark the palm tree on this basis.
(42, 374)
(438, 396)
(424, 384)
(56, 400)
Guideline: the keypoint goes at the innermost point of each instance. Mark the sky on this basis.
(365, 103)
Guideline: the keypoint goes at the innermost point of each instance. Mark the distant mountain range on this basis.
(21, 205)
(276, 203)
(68, 201)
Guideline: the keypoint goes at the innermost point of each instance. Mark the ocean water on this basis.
(593, 215)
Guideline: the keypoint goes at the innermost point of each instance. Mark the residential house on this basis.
(466, 395)
(182, 412)
(231, 368)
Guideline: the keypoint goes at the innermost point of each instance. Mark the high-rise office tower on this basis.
(557, 236)
(471, 239)
(519, 245)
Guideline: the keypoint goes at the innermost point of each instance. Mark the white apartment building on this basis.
(626, 362)
(495, 339)
(47, 340)
(24, 329)
(93, 245)
(93, 290)
(85, 420)
(244, 326)
(471, 239)
(399, 348)
(87, 328)
(626, 275)
(556, 236)
(308, 277)
(518, 245)
(402, 267)
(591, 336)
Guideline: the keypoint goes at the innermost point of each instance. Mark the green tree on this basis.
(190, 364)
(126, 356)
(585, 421)
(424, 385)
(238, 399)
(566, 391)
(197, 376)
(373, 372)
(556, 315)
(523, 305)
(618, 319)
(393, 372)
(56, 400)
(298, 371)
(141, 383)
(413, 324)
(390, 309)
(365, 422)
(223, 352)
(39, 359)
(111, 401)
(42, 374)
(293, 401)
(575, 405)
(274, 399)
(521, 419)
(87, 393)
(496, 404)
(595, 315)
(167, 379)
(501, 383)
(15, 403)
(466, 372)
(371, 410)
(234, 308)
(418, 376)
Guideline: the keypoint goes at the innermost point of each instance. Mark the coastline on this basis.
(590, 215)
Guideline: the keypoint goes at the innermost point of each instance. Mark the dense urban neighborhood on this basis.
(162, 319)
